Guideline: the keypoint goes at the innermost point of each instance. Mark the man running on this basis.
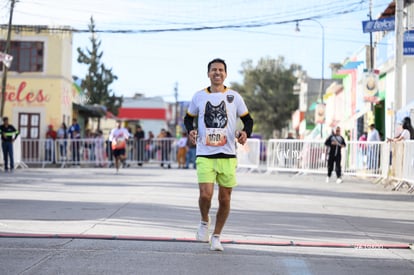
(217, 109)
(118, 138)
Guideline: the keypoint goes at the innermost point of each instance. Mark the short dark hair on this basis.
(217, 60)
(372, 125)
(5, 118)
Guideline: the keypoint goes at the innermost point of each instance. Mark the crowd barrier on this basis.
(389, 163)
(96, 152)
(18, 162)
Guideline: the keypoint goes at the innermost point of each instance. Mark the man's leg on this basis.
(330, 166)
(338, 167)
(204, 200)
(11, 155)
(5, 157)
(223, 211)
(116, 159)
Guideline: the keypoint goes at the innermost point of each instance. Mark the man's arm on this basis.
(16, 133)
(189, 123)
(247, 124)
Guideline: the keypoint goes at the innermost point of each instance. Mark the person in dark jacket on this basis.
(334, 143)
(8, 136)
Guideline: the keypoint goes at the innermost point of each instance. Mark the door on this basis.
(29, 128)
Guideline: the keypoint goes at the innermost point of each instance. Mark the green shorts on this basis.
(222, 171)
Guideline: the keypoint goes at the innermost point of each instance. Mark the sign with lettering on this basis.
(408, 43)
(385, 24)
(21, 94)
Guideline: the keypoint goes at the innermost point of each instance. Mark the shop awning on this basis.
(90, 110)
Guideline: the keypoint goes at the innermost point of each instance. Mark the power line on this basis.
(323, 10)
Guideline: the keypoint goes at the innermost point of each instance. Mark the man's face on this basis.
(217, 73)
(337, 131)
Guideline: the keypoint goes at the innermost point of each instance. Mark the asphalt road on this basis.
(143, 221)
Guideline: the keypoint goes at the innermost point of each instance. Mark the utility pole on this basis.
(371, 48)
(176, 109)
(5, 69)
(399, 33)
(371, 53)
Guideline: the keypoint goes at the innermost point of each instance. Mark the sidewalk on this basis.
(156, 211)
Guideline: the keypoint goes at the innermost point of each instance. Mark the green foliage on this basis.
(99, 77)
(268, 93)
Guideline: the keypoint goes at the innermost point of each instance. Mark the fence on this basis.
(389, 163)
(95, 152)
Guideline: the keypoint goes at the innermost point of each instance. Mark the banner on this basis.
(320, 113)
(370, 86)
(6, 59)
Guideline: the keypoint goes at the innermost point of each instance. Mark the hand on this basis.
(193, 136)
(242, 137)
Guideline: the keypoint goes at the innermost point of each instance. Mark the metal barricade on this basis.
(364, 158)
(248, 155)
(408, 165)
(389, 162)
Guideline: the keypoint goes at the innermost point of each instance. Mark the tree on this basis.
(99, 77)
(268, 93)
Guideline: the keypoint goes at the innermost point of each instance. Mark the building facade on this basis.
(39, 90)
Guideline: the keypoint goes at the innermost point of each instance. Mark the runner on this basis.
(217, 109)
(118, 138)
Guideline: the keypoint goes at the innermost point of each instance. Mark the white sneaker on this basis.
(339, 180)
(327, 179)
(215, 244)
(202, 232)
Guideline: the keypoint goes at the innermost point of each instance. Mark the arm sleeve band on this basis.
(248, 124)
(189, 123)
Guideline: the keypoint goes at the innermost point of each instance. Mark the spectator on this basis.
(407, 131)
(191, 154)
(182, 150)
(373, 149)
(75, 135)
(8, 136)
(149, 146)
(88, 145)
(99, 142)
(362, 149)
(334, 143)
(50, 144)
(139, 144)
(164, 145)
(62, 135)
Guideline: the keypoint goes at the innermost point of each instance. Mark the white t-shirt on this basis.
(217, 120)
(373, 135)
(405, 134)
(118, 137)
(182, 142)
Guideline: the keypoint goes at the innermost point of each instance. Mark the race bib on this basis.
(119, 143)
(216, 137)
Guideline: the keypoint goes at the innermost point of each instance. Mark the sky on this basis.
(157, 46)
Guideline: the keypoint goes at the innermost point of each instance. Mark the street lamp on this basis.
(322, 86)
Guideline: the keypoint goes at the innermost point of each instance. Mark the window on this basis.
(29, 125)
(27, 55)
